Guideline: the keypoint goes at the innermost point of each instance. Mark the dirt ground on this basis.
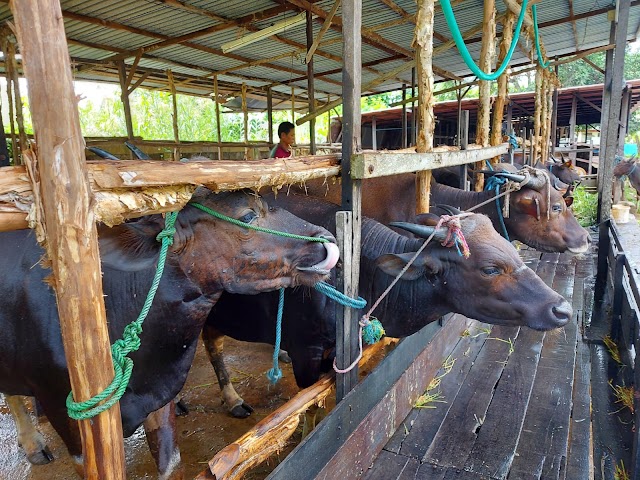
(205, 430)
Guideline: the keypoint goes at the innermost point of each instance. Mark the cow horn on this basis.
(558, 185)
(514, 177)
(424, 231)
(449, 209)
(536, 182)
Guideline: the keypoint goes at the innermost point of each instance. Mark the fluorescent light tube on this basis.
(278, 27)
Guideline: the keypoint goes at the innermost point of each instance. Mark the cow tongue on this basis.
(333, 254)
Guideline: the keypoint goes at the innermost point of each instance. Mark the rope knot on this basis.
(167, 234)
(455, 237)
(372, 330)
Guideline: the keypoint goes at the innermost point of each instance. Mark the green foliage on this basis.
(585, 207)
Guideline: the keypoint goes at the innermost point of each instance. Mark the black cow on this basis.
(492, 285)
(208, 256)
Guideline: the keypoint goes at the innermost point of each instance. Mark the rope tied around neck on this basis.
(375, 330)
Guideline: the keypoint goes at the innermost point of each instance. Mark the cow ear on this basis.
(428, 219)
(130, 247)
(568, 201)
(529, 206)
(392, 264)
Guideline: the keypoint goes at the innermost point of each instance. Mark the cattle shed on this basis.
(518, 401)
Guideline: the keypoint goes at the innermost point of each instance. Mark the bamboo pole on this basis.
(503, 83)
(245, 116)
(11, 58)
(484, 102)
(14, 144)
(424, 55)
(216, 99)
(174, 104)
(537, 117)
(64, 211)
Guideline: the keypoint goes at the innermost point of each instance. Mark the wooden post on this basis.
(293, 105)
(537, 117)
(310, 85)
(414, 117)
(572, 126)
(404, 116)
(509, 118)
(122, 72)
(463, 135)
(544, 138)
(614, 89)
(347, 337)
(554, 113)
(216, 99)
(606, 92)
(174, 103)
(72, 240)
(424, 54)
(270, 117)
(503, 83)
(245, 116)
(11, 58)
(374, 133)
(14, 144)
(484, 102)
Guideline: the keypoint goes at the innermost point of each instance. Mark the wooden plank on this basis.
(469, 408)
(413, 356)
(387, 466)
(65, 220)
(380, 164)
(428, 420)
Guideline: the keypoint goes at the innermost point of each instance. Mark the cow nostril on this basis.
(563, 312)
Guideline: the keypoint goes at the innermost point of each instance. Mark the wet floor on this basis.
(205, 430)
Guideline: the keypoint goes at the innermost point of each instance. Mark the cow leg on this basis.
(214, 344)
(160, 428)
(30, 439)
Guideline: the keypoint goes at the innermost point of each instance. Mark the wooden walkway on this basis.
(514, 405)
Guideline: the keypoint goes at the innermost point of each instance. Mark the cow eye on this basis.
(248, 217)
(491, 271)
(556, 208)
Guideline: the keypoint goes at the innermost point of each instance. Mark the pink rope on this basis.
(454, 236)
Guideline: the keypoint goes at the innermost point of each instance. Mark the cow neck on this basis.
(464, 200)
(409, 305)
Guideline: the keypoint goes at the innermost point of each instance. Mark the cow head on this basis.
(539, 216)
(493, 285)
(220, 256)
(565, 171)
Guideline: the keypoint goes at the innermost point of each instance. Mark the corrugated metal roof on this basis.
(101, 29)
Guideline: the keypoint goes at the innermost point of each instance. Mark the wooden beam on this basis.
(132, 70)
(67, 226)
(593, 65)
(424, 55)
(323, 30)
(124, 95)
(152, 185)
(381, 164)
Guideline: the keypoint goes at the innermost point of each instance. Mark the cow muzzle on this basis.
(330, 261)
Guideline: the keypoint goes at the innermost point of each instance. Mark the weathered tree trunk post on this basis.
(347, 323)
(72, 240)
(503, 82)
(484, 102)
(122, 72)
(424, 54)
(216, 99)
(174, 104)
(310, 85)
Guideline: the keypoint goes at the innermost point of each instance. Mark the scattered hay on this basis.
(428, 398)
(481, 331)
(612, 347)
(624, 396)
(620, 472)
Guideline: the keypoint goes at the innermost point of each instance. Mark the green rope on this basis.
(534, 13)
(255, 227)
(464, 52)
(130, 342)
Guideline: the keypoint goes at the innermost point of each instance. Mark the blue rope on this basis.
(331, 292)
(513, 140)
(275, 374)
(534, 13)
(494, 183)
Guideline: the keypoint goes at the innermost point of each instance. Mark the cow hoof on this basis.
(241, 411)
(284, 357)
(181, 408)
(42, 457)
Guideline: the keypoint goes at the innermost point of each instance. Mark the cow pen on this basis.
(514, 403)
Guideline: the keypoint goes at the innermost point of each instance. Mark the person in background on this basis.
(287, 136)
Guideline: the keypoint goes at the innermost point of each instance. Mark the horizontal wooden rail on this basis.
(380, 164)
(133, 188)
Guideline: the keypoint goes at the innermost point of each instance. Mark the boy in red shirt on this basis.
(287, 135)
